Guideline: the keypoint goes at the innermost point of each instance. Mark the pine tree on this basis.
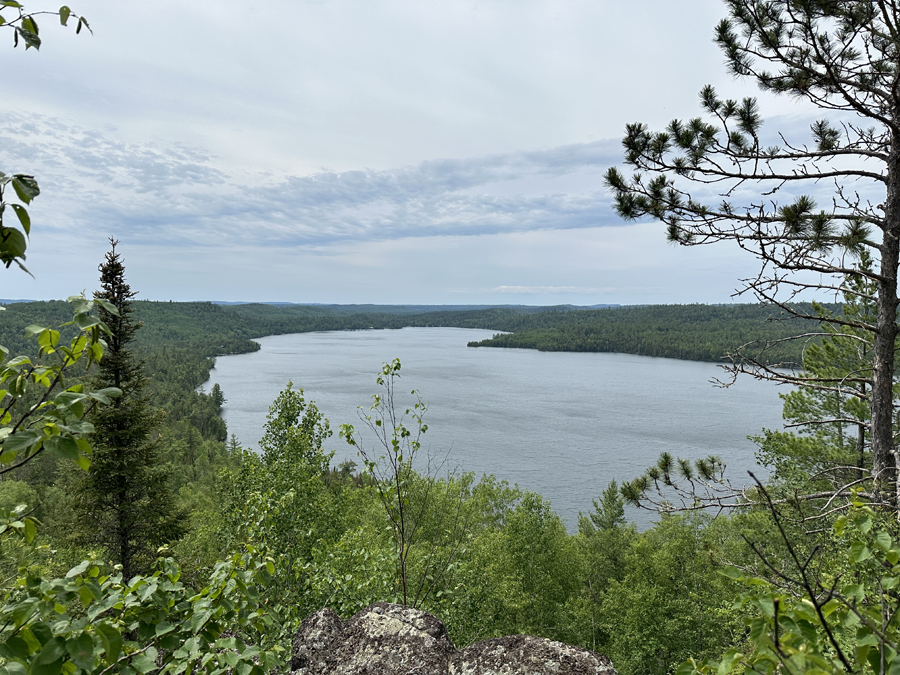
(713, 178)
(124, 503)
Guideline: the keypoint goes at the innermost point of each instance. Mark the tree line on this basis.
(694, 332)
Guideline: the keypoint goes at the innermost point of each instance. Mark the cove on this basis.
(562, 424)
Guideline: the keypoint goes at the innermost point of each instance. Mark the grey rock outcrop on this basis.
(528, 655)
(382, 639)
(387, 639)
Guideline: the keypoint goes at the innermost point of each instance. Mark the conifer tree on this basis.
(124, 503)
(716, 178)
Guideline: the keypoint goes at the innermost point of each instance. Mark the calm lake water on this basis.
(561, 424)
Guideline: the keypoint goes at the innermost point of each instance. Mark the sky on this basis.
(360, 151)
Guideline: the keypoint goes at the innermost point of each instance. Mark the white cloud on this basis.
(177, 193)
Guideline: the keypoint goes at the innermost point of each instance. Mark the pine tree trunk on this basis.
(883, 456)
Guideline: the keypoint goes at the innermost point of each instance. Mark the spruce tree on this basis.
(124, 503)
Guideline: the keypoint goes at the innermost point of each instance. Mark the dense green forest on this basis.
(695, 332)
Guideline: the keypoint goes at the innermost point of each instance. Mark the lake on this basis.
(560, 423)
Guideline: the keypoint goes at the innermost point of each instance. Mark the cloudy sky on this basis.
(356, 151)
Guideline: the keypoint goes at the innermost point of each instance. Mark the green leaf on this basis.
(23, 611)
(64, 12)
(200, 618)
(23, 217)
(78, 569)
(41, 632)
(31, 39)
(63, 447)
(728, 661)
(112, 642)
(107, 305)
(21, 441)
(52, 668)
(859, 551)
(87, 598)
(26, 187)
(48, 340)
(894, 667)
(12, 243)
(164, 627)
(863, 522)
(51, 651)
(14, 648)
(81, 651)
(104, 395)
(143, 664)
(29, 24)
(30, 530)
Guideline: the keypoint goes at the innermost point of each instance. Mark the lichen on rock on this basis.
(388, 639)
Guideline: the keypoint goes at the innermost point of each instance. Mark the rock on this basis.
(314, 637)
(528, 655)
(387, 639)
(382, 639)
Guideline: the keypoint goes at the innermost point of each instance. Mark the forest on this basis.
(136, 537)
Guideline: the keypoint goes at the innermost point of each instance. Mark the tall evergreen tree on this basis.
(124, 503)
(716, 178)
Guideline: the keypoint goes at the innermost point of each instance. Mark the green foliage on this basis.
(93, 621)
(667, 603)
(696, 332)
(841, 58)
(279, 501)
(296, 429)
(392, 472)
(124, 503)
(830, 416)
(176, 336)
(13, 241)
(39, 409)
(608, 513)
(24, 24)
(516, 578)
(843, 620)
(356, 570)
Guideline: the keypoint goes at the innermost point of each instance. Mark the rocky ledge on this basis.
(386, 639)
